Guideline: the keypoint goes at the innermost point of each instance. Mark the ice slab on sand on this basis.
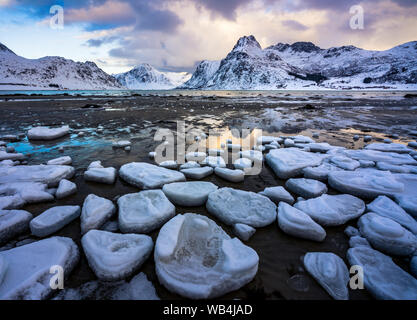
(389, 147)
(383, 278)
(15, 195)
(298, 224)
(243, 231)
(321, 172)
(144, 212)
(379, 156)
(4, 155)
(100, 175)
(214, 162)
(148, 176)
(13, 223)
(28, 274)
(115, 256)
(332, 210)
(387, 235)
(53, 220)
(230, 175)
(197, 173)
(66, 160)
(96, 211)
(45, 133)
(65, 189)
(278, 194)
(306, 188)
(330, 271)
(189, 194)
(195, 258)
(236, 206)
(289, 162)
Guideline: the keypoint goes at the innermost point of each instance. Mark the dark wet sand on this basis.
(281, 274)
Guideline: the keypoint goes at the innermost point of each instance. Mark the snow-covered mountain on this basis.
(146, 77)
(51, 73)
(303, 65)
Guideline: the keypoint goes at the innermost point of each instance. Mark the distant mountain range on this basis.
(301, 65)
(146, 77)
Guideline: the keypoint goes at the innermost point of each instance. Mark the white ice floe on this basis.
(148, 176)
(306, 188)
(50, 175)
(144, 211)
(195, 156)
(278, 194)
(195, 258)
(289, 143)
(190, 165)
(396, 169)
(16, 195)
(345, 163)
(252, 155)
(243, 231)
(53, 220)
(189, 194)
(45, 133)
(242, 164)
(322, 147)
(365, 183)
(197, 173)
(139, 288)
(268, 139)
(66, 160)
(13, 223)
(214, 162)
(407, 199)
(357, 241)
(115, 256)
(230, 175)
(298, 224)
(271, 146)
(289, 162)
(379, 156)
(169, 164)
(385, 207)
(330, 271)
(237, 206)
(65, 189)
(4, 155)
(335, 210)
(321, 172)
(387, 235)
(28, 275)
(121, 144)
(95, 212)
(382, 277)
(97, 173)
(389, 147)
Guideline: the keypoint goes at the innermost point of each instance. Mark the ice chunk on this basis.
(382, 277)
(13, 223)
(50, 175)
(236, 206)
(298, 224)
(66, 160)
(357, 241)
(16, 195)
(335, 210)
(322, 147)
(230, 175)
(122, 144)
(45, 133)
(377, 156)
(407, 199)
(28, 275)
(365, 183)
(252, 155)
(195, 156)
(214, 162)
(139, 288)
(189, 194)
(396, 169)
(169, 164)
(306, 188)
(53, 220)
(65, 189)
(387, 235)
(197, 173)
(290, 162)
(390, 147)
(4, 155)
(144, 212)
(190, 165)
(96, 211)
(148, 176)
(385, 207)
(114, 256)
(101, 175)
(195, 258)
(278, 194)
(345, 162)
(243, 231)
(321, 172)
(242, 163)
(330, 271)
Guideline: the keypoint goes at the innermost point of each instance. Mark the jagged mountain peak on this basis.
(3, 48)
(301, 46)
(246, 42)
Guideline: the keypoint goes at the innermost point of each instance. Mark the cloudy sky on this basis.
(174, 35)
